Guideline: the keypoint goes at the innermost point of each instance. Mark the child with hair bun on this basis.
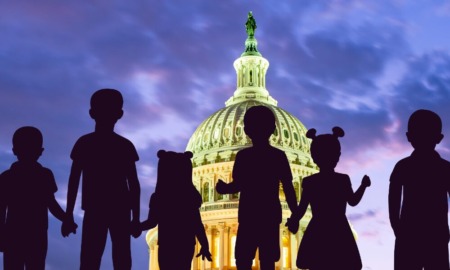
(328, 241)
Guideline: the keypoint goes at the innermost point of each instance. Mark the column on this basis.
(294, 249)
(279, 264)
(226, 247)
(209, 232)
(221, 229)
(154, 257)
(151, 252)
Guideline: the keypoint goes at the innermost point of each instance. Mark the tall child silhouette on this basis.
(26, 194)
(418, 198)
(257, 173)
(110, 187)
(328, 242)
(176, 250)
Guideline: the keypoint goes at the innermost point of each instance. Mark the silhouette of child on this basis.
(110, 186)
(26, 194)
(418, 198)
(328, 242)
(176, 250)
(257, 173)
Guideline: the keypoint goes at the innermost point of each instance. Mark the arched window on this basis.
(205, 192)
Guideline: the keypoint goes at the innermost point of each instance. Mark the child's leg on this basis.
(175, 256)
(246, 244)
(244, 264)
(437, 255)
(407, 255)
(13, 260)
(93, 240)
(15, 251)
(267, 265)
(269, 245)
(119, 230)
(37, 251)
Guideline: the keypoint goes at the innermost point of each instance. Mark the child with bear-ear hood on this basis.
(174, 207)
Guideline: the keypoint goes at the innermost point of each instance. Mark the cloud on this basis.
(368, 214)
(426, 85)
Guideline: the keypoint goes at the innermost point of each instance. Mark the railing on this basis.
(230, 205)
(220, 206)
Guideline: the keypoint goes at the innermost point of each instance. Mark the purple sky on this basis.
(362, 65)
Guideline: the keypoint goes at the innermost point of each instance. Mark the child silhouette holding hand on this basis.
(257, 173)
(328, 241)
(26, 195)
(418, 198)
(176, 250)
(110, 187)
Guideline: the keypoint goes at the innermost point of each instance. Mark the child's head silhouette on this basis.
(27, 143)
(259, 123)
(174, 171)
(325, 148)
(424, 130)
(106, 106)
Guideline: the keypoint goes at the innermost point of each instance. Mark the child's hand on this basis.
(221, 186)
(292, 224)
(68, 226)
(136, 228)
(365, 182)
(204, 252)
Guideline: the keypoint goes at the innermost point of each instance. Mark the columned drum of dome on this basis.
(215, 143)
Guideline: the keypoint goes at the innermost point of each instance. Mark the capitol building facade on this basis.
(215, 144)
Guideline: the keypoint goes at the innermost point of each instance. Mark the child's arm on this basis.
(69, 224)
(230, 188)
(135, 195)
(356, 197)
(289, 192)
(286, 180)
(234, 186)
(56, 209)
(293, 221)
(202, 239)
(152, 218)
(72, 190)
(395, 197)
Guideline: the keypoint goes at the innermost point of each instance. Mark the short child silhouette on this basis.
(328, 242)
(26, 194)
(257, 173)
(176, 250)
(110, 186)
(418, 198)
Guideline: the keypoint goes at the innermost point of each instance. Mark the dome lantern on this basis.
(251, 70)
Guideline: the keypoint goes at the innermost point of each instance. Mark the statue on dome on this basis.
(250, 25)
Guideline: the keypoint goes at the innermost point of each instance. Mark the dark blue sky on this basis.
(362, 65)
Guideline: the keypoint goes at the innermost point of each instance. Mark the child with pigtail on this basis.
(328, 241)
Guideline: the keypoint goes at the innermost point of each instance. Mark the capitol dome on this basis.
(214, 145)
